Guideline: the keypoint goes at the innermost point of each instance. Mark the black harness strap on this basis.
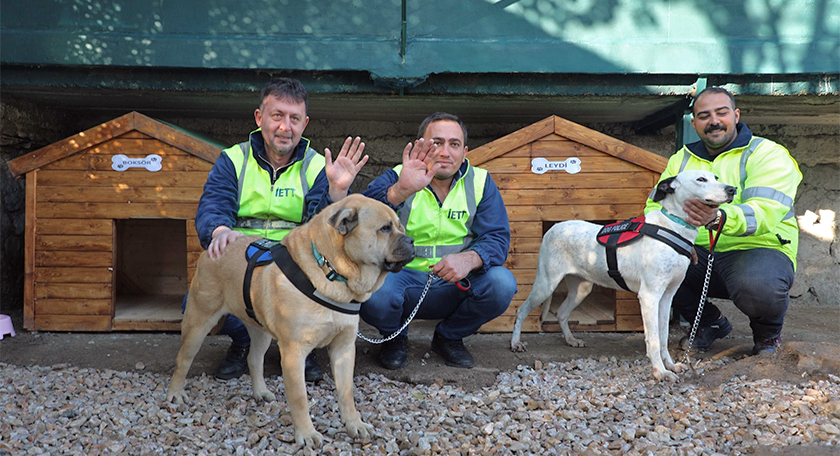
(264, 251)
(624, 233)
(256, 256)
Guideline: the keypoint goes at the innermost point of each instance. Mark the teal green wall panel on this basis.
(466, 36)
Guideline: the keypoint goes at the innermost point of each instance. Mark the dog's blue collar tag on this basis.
(677, 220)
(333, 275)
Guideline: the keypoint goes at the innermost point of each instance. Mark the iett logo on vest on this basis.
(284, 192)
(456, 215)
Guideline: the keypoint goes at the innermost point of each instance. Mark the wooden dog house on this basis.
(556, 170)
(110, 233)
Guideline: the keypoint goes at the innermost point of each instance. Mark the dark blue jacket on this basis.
(218, 205)
(490, 227)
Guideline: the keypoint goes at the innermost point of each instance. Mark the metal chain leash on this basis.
(699, 307)
(410, 317)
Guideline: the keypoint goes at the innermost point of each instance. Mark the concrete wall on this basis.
(27, 127)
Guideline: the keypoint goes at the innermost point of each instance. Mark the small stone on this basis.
(830, 429)
(139, 366)
(628, 434)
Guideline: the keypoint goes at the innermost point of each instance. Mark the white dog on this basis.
(649, 267)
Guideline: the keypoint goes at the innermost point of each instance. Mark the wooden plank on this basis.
(119, 211)
(576, 196)
(100, 158)
(521, 260)
(71, 242)
(193, 244)
(142, 325)
(610, 145)
(74, 226)
(509, 142)
(552, 150)
(71, 145)
(73, 291)
(623, 294)
(73, 275)
(134, 135)
(525, 245)
(30, 220)
(91, 323)
(129, 194)
(504, 324)
(73, 259)
(629, 323)
(526, 229)
(73, 307)
(627, 307)
(192, 258)
(574, 212)
(555, 327)
(553, 180)
(114, 179)
(599, 164)
(190, 143)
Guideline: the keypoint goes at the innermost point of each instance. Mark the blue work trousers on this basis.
(461, 312)
(758, 282)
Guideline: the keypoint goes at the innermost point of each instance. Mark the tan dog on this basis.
(363, 240)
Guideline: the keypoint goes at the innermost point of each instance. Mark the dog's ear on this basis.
(664, 188)
(345, 220)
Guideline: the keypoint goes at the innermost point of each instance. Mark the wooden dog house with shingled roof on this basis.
(110, 233)
(556, 170)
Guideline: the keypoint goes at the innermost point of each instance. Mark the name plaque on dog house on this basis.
(605, 180)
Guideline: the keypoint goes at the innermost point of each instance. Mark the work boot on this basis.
(235, 363)
(707, 334)
(766, 346)
(311, 369)
(453, 351)
(393, 354)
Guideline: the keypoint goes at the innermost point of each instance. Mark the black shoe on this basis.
(453, 351)
(235, 363)
(766, 346)
(393, 354)
(312, 370)
(707, 334)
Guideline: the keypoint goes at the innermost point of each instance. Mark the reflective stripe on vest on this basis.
(453, 219)
(266, 209)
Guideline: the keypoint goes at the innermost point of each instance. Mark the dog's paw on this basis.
(178, 397)
(574, 342)
(360, 429)
(665, 375)
(679, 367)
(309, 439)
(266, 396)
(518, 347)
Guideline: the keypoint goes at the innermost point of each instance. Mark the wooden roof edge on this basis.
(189, 142)
(608, 144)
(511, 141)
(71, 145)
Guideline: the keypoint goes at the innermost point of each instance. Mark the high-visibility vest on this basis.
(269, 209)
(761, 214)
(440, 230)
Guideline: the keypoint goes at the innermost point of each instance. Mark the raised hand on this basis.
(418, 170)
(348, 163)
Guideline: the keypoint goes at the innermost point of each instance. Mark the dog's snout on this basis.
(730, 190)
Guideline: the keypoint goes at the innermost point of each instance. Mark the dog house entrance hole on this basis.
(150, 274)
(596, 312)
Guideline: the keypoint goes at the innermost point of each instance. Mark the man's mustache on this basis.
(712, 128)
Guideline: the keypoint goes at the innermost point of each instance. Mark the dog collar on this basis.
(332, 275)
(677, 220)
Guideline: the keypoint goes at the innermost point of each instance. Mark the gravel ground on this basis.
(585, 406)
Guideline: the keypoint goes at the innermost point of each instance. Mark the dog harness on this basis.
(624, 233)
(264, 251)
